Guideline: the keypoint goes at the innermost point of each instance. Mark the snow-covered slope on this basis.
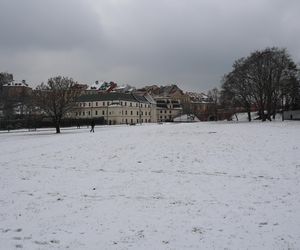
(179, 186)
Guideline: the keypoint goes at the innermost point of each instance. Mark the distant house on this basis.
(168, 100)
(14, 98)
(199, 105)
(167, 109)
(116, 108)
(16, 89)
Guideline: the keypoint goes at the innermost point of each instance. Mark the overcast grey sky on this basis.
(188, 42)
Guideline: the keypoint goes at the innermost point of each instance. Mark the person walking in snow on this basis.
(92, 126)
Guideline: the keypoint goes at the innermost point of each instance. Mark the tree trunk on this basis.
(57, 121)
(263, 115)
(57, 127)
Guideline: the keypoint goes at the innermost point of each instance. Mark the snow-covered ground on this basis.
(172, 186)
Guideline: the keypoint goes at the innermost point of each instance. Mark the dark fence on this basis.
(39, 122)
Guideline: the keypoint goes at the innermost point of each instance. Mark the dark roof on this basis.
(140, 98)
(113, 96)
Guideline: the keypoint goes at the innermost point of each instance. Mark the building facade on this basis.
(116, 108)
(167, 109)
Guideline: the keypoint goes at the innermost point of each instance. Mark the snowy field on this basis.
(172, 186)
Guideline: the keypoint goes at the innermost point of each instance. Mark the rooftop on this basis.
(112, 97)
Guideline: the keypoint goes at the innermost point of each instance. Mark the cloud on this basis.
(49, 25)
(192, 43)
(195, 42)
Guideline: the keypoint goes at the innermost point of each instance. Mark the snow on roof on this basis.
(16, 84)
(96, 85)
(198, 97)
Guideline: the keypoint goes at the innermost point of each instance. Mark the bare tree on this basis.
(57, 98)
(236, 90)
(268, 72)
(260, 79)
(290, 93)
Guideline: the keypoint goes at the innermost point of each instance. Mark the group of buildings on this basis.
(113, 104)
(125, 104)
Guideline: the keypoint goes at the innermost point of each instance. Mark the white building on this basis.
(116, 108)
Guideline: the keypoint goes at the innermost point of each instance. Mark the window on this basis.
(89, 104)
(125, 112)
(89, 112)
(160, 111)
(96, 112)
(125, 103)
(96, 104)
(149, 113)
(131, 112)
(121, 103)
(170, 111)
(103, 112)
(83, 113)
(137, 105)
(137, 112)
(165, 111)
(131, 104)
(107, 103)
(145, 112)
(142, 120)
(76, 114)
(103, 103)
